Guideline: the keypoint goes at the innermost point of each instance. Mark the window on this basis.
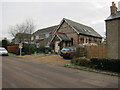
(37, 37)
(47, 35)
(31, 38)
(81, 40)
(86, 40)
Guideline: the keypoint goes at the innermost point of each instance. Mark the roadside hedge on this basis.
(81, 61)
(106, 64)
(98, 63)
(13, 49)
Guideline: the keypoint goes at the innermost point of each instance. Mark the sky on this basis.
(50, 12)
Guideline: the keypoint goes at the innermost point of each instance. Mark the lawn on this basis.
(11, 54)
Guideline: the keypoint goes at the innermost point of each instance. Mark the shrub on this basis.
(12, 44)
(42, 49)
(31, 49)
(28, 49)
(106, 64)
(47, 50)
(81, 61)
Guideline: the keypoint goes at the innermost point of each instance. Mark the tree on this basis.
(4, 43)
(22, 31)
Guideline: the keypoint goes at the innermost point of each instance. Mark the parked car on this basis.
(3, 51)
(67, 52)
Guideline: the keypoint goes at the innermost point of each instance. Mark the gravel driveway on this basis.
(48, 59)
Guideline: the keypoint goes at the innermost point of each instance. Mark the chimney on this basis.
(119, 6)
(113, 8)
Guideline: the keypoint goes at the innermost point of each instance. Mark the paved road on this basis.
(20, 73)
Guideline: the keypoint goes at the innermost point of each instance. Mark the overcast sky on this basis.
(45, 14)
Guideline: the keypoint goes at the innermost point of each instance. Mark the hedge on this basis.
(81, 61)
(13, 49)
(106, 64)
(98, 63)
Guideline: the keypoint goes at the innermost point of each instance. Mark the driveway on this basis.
(48, 59)
(27, 73)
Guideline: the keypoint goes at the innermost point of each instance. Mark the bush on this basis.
(106, 64)
(43, 49)
(47, 50)
(12, 44)
(28, 49)
(31, 49)
(81, 61)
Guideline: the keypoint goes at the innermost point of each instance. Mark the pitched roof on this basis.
(114, 16)
(63, 37)
(82, 29)
(46, 30)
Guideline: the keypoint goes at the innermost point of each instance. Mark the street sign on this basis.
(20, 46)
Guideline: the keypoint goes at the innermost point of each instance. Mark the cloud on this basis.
(44, 14)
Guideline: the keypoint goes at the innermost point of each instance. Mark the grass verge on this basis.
(70, 65)
(11, 54)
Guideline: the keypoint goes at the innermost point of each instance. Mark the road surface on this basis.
(21, 73)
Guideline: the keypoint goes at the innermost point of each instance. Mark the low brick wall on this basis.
(13, 49)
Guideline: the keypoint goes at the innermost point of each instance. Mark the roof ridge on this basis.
(76, 22)
(48, 27)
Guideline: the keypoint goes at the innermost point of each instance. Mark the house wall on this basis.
(42, 36)
(88, 38)
(112, 37)
(119, 38)
(65, 28)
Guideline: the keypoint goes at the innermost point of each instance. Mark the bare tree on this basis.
(22, 31)
(29, 28)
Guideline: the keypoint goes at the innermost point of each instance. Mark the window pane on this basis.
(47, 35)
(37, 37)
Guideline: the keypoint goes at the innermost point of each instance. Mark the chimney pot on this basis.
(113, 8)
(113, 3)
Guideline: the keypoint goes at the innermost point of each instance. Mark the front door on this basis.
(57, 47)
